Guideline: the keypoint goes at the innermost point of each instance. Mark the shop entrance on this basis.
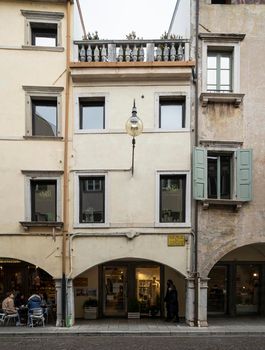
(115, 290)
(126, 282)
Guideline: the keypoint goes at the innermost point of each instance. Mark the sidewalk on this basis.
(146, 327)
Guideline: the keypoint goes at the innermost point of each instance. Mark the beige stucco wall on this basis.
(21, 67)
(221, 229)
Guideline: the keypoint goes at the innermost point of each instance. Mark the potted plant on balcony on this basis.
(133, 308)
(90, 307)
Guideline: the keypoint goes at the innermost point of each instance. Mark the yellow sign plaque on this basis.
(175, 240)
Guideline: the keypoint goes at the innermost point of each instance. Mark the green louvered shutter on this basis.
(199, 172)
(244, 174)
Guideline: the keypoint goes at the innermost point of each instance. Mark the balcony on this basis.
(131, 50)
(131, 59)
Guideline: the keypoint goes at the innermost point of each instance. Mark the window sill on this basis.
(28, 224)
(91, 225)
(221, 97)
(172, 224)
(43, 138)
(237, 204)
(43, 48)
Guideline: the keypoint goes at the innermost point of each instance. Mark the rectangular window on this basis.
(44, 117)
(219, 71)
(172, 198)
(43, 200)
(219, 175)
(171, 113)
(92, 113)
(43, 34)
(92, 199)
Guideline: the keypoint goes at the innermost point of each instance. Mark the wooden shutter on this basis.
(244, 174)
(199, 172)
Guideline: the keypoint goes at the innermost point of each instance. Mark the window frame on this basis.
(232, 179)
(219, 42)
(171, 96)
(91, 102)
(42, 93)
(241, 175)
(42, 176)
(42, 18)
(32, 200)
(77, 207)
(93, 96)
(219, 54)
(169, 101)
(187, 222)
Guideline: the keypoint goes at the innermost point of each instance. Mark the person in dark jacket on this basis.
(171, 300)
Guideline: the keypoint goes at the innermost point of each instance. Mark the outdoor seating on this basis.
(9, 318)
(36, 317)
(2, 318)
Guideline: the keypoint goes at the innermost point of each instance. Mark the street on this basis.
(79, 342)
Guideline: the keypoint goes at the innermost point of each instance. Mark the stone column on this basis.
(70, 309)
(58, 287)
(190, 301)
(202, 314)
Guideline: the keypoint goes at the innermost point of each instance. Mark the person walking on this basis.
(171, 300)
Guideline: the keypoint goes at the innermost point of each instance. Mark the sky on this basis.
(114, 19)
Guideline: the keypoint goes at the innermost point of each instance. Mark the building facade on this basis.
(85, 220)
(229, 159)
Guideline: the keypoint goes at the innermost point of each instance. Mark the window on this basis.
(44, 117)
(172, 198)
(43, 200)
(171, 113)
(92, 113)
(43, 30)
(43, 196)
(219, 175)
(92, 199)
(43, 111)
(219, 71)
(44, 34)
(222, 175)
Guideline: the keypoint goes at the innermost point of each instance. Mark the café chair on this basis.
(11, 318)
(2, 318)
(36, 318)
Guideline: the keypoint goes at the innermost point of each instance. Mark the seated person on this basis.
(9, 307)
(34, 302)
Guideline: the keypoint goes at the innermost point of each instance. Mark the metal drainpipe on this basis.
(196, 274)
(66, 174)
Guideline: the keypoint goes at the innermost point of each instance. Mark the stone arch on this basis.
(223, 250)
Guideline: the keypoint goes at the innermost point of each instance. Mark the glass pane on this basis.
(44, 121)
(171, 116)
(92, 117)
(172, 198)
(43, 199)
(225, 177)
(225, 62)
(148, 290)
(92, 200)
(217, 290)
(247, 288)
(211, 62)
(115, 291)
(225, 88)
(224, 77)
(45, 41)
(211, 77)
(212, 177)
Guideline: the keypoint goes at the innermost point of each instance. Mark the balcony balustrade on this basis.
(131, 50)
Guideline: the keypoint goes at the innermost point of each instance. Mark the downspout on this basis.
(195, 80)
(66, 173)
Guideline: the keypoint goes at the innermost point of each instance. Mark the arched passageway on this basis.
(237, 282)
(117, 285)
